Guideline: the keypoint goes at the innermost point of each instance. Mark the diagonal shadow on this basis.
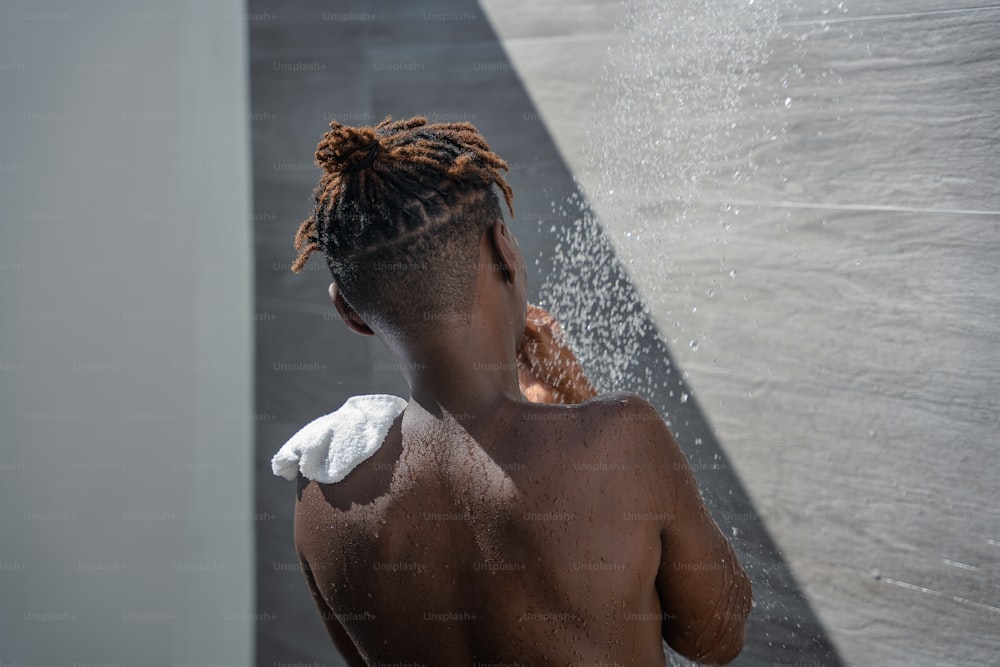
(357, 63)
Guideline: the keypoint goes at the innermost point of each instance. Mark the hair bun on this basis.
(346, 149)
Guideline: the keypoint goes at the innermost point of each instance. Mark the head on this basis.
(403, 212)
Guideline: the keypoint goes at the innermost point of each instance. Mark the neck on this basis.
(463, 372)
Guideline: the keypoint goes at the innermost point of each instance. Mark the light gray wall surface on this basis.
(125, 337)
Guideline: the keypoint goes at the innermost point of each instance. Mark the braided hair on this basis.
(399, 213)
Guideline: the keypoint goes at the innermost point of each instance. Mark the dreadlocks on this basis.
(399, 213)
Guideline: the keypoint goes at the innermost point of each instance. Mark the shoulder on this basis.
(626, 402)
(617, 425)
(625, 413)
(604, 413)
(613, 413)
(631, 430)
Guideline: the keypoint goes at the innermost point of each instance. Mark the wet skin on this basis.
(490, 528)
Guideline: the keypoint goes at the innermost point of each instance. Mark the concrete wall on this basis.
(848, 365)
(125, 338)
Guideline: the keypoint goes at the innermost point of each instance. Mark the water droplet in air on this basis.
(788, 102)
(693, 344)
(684, 399)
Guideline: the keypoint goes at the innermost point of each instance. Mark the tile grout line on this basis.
(879, 17)
(863, 207)
(874, 575)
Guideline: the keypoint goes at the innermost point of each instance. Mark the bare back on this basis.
(534, 539)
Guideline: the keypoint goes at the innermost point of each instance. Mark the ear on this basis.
(348, 314)
(504, 244)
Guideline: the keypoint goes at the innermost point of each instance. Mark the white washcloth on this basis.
(329, 447)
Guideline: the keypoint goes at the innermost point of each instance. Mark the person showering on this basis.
(506, 513)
